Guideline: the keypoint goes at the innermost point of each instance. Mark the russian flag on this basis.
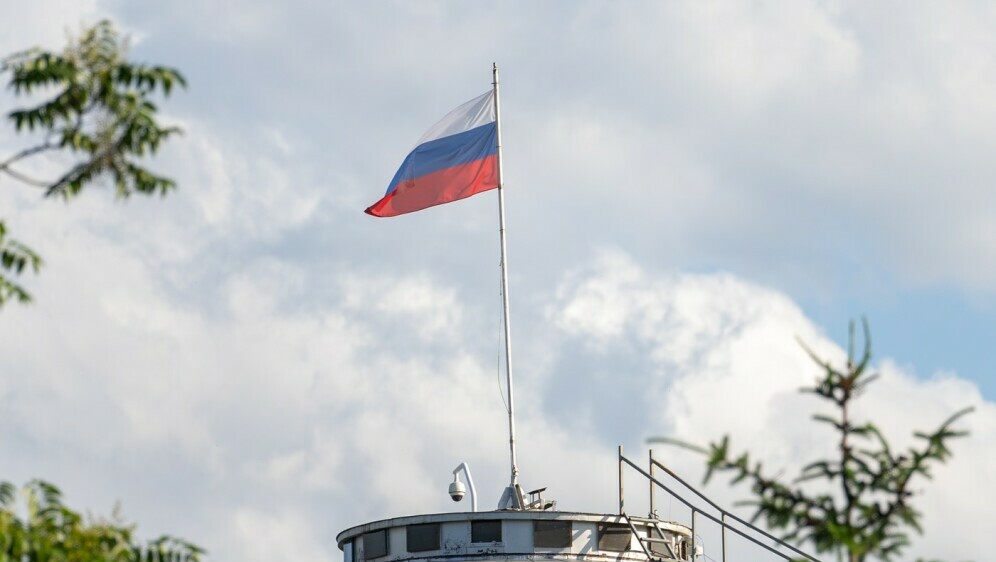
(456, 158)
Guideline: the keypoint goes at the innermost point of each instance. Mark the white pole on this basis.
(504, 289)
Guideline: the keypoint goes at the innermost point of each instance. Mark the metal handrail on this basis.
(727, 513)
(715, 519)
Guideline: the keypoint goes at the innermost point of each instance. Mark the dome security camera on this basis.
(457, 491)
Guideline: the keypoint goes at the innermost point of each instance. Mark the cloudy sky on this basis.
(255, 364)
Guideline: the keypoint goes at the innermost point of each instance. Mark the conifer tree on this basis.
(864, 510)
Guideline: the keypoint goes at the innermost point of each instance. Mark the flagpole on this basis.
(504, 294)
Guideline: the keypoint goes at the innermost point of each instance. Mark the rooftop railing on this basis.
(718, 515)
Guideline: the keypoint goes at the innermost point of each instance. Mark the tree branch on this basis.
(6, 165)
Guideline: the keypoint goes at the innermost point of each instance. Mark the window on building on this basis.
(485, 531)
(375, 544)
(552, 534)
(423, 537)
(614, 537)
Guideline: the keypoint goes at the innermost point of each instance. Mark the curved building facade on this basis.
(511, 535)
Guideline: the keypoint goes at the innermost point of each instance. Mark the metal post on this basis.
(470, 483)
(622, 505)
(504, 289)
(694, 543)
(652, 515)
(724, 536)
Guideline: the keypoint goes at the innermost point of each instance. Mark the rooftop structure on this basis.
(537, 532)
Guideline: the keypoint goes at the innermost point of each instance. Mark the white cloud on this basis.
(260, 288)
(721, 359)
(46, 25)
(752, 54)
(238, 190)
(319, 416)
(284, 535)
(429, 312)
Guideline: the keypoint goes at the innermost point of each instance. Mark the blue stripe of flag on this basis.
(447, 152)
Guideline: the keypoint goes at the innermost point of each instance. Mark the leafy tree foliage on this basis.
(98, 120)
(52, 532)
(14, 258)
(865, 511)
(98, 116)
